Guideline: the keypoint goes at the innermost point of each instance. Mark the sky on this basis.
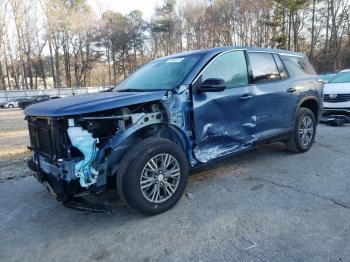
(125, 6)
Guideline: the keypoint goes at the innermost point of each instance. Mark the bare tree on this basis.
(63, 42)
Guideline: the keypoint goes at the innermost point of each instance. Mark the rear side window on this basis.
(231, 67)
(298, 66)
(264, 68)
(280, 66)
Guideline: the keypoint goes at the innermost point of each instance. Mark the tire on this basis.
(297, 143)
(10, 106)
(337, 122)
(135, 170)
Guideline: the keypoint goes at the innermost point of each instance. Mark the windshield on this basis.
(342, 77)
(163, 74)
(326, 77)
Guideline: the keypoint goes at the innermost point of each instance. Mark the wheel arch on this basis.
(310, 103)
(161, 130)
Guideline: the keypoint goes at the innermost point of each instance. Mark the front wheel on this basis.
(10, 106)
(153, 175)
(304, 131)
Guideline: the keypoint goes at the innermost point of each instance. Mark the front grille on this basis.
(45, 141)
(31, 128)
(337, 98)
(45, 138)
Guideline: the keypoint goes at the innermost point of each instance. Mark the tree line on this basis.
(64, 43)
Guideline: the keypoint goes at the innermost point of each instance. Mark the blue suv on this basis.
(173, 114)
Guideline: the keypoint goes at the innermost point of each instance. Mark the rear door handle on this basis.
(247, 96)
(291, 90)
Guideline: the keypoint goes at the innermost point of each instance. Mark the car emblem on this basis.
(333, 96)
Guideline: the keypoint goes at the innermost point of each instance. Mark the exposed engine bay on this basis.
(87, 145)
(80, 148)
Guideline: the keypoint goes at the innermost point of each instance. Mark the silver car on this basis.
(14, 102)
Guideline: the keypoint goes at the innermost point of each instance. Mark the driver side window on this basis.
(231, 67)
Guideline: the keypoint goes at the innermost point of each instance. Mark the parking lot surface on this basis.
(265, 205)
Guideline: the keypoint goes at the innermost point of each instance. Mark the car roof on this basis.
(217, 50)
(40, 95)
(208, 54)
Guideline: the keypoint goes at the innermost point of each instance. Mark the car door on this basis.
(273, 95)
(223, 121)
(41, 99)
(15, 102)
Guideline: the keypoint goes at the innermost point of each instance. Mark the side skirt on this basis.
(268, 140)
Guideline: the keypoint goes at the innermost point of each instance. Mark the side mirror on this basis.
(212, 85)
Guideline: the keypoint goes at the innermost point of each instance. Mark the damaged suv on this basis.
(175, 113)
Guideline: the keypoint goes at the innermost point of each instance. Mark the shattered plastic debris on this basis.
(251, 244)
(189, 195)
(336, 120)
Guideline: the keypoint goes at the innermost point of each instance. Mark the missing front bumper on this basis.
(70, 194)
(55, 186)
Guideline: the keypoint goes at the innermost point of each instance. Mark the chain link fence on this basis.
(8, 95)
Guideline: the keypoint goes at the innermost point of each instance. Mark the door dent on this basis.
(221, 139)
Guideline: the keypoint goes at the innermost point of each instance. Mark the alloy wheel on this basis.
(160, 178)
(306, 130)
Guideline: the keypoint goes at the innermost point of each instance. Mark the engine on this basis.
(91, 135)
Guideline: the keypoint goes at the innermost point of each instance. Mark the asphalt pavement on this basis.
(264, 205)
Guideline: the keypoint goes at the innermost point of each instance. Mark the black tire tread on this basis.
(291, 144)
(128, 160)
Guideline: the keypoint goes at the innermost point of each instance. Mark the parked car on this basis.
(2, 104)
(175, 113)
(14, 102)
(337, 94)
(33, 100)
(55, 97)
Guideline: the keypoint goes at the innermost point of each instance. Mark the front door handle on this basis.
(247, 96)
(291, 90)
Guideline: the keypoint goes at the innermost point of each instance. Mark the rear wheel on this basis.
(153, 175)
(10, 106)
(304, 131)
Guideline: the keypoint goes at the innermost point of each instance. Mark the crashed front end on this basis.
(77, 155)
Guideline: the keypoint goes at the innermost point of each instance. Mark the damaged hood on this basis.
(89, 103)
